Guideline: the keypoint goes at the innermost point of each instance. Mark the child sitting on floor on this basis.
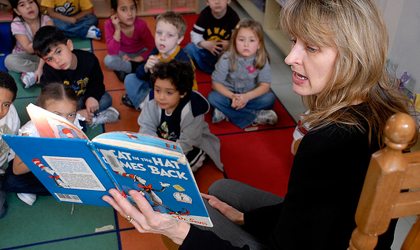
(242, 78)
(59, 99)
(77, 68)
(211, 34)
(74, 17)
(9, 124)
(170, 30)
(128, 39)
(175, 112)
(27, 19)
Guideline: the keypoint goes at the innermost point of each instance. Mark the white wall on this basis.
(403, 23)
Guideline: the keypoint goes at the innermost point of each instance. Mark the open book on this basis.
(82, 171)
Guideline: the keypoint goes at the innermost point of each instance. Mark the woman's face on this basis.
(312, 66)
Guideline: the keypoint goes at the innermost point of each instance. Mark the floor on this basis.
(95, 221)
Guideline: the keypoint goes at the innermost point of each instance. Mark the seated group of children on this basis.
(159, 78)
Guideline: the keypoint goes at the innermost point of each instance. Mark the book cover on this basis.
(82, 171)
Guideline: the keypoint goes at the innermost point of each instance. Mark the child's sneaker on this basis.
(265, 117)
(218, 116)
(27, 198)
(28, 79)
(196, 158)
(107, 116)
(94, 33)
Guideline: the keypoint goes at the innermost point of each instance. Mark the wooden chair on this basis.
(390, 172)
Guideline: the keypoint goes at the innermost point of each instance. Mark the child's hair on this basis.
(114, 4)
(47, 37)
(261, 54)
(175, 19)
(14, 5)
(7, 82)
(56, 91)
(180, 73)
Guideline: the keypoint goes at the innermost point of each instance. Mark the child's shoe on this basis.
(218, 116)
(94, 33)
(107, 116)
(27, 198)
(120, 74)
(126, 101)
(265, 117)
(196, 158)
(28, 79)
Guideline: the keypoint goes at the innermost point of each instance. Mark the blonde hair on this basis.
(358, 30)
(175, 19)
(261, 54)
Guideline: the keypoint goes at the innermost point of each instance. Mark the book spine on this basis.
(107, 169)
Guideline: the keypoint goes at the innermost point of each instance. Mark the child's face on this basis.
(167, 38)
(166, 95)
(6, 97)
(61, 57)
(247, 43)
(27, 9)
(218, 7)
(126, 12)
(64, 108)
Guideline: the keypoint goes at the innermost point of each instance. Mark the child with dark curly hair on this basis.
(175, 112)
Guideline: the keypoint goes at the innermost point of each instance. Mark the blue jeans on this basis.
(245, 116)
(104, 103)
(115, 62)
(24, 183)
(202, 58)
(78, 29)
(137, 89)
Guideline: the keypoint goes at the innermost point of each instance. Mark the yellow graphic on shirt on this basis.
(79, 86)
(217, 34)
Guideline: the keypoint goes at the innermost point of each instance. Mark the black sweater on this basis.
(324, 187)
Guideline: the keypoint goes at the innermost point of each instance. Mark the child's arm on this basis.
(149, 118)
(70, 19)
(18, 166)
(219, 87)
(240, 100)
(113, 35)
(191, 133)
(39, 71)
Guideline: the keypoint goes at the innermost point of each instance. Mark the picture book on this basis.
(75, 169)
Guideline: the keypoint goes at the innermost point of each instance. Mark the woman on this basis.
(338, 61)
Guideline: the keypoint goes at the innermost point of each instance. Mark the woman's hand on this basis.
(145, 219)
(227, 210)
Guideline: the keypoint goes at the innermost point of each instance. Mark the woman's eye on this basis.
(312, 49)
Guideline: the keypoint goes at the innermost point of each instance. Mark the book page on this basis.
(70, 172)
(52, 125)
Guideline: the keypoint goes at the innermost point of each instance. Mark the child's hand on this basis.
(72, 19)
(91, 106)
(225, 44)
(38, 74)
(213, 46)
(126, 58)
(239, 101)
(116, 22)
(151, 62)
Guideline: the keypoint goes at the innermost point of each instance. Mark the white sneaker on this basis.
(107, 116)
(27, 198)
(28, 79)
(94, 33)
(265, 117)
(218, 116)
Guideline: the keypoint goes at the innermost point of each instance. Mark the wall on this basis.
(403, 23)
